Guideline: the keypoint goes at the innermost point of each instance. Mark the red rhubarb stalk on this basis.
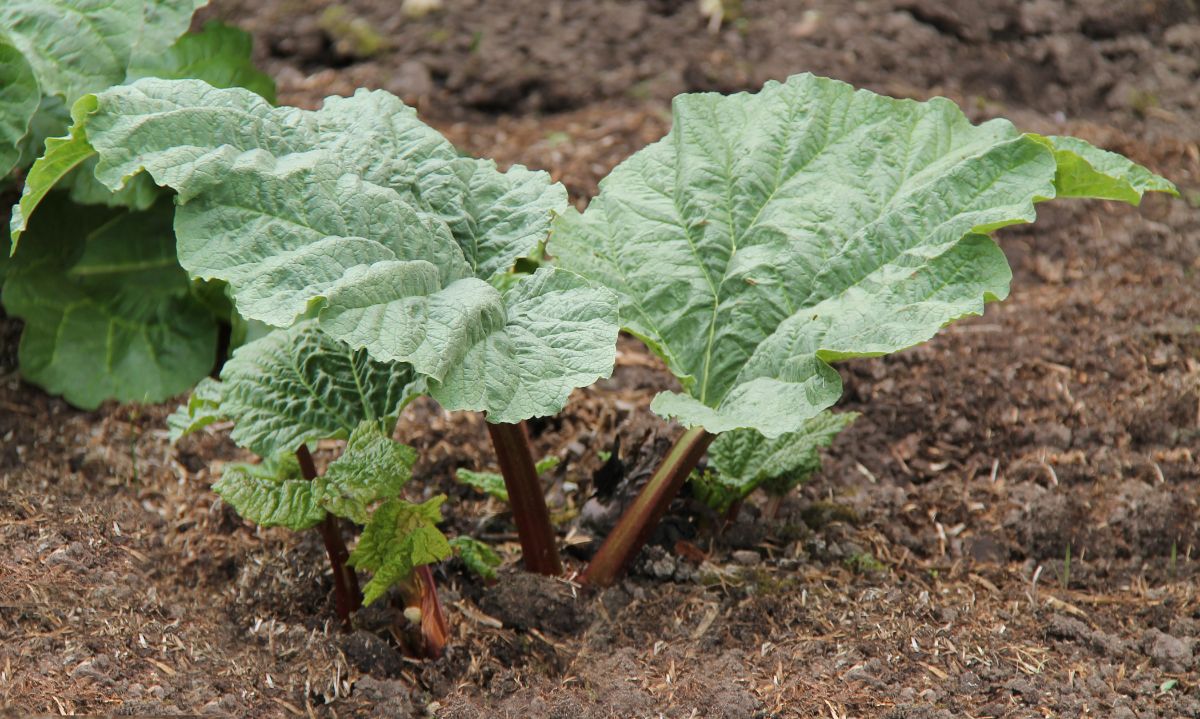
(637, 524)
(347, 596)
(526, 497)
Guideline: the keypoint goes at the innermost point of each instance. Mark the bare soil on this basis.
(1010, 529)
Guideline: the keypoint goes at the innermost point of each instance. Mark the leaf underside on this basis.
(745, 460)
(298, 385)
(366, 219)
(770, 234)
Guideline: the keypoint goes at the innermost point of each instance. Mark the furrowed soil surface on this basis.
(1009, 530)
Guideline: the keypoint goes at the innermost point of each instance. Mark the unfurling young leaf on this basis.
(272, 493)
(479, 557)
(372, 467)
(400, 537)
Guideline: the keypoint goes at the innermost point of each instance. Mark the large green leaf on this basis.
(108, 312)
(81, 46)
(19, 99)
(299, 385)
(400, 537)
(273, 493)
(361, 216)
(769, 234)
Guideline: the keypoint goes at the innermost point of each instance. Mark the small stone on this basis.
(746, 557)
(1170, 652)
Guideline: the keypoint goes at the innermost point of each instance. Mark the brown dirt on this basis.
(923, 573)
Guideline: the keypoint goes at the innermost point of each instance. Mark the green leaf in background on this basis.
(479, 557)
(299, 385)
(19, 99)
(770, 234)
(487, 482)
(372, 467)
(219, 55)
(273, 493)
(400, 537)
(744, 460)
(493, 484)
(361, 216)
(108, 312)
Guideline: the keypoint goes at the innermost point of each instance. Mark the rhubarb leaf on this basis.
(19, 100)
(745, 460)
(299, 385)
(372, 467)
(400, 537)
(81, 46)
(1087, 171)
(219, 55)
(770, 234)
(273, 493)
(487, 482)
(365, 219)
(108, 313)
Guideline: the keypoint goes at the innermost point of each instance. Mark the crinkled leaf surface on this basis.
(1087, 171)
(744, 459)
(299, 385)
(769, 234)
(202, 408)
(81, 46)
(400, 537)
(362, 216)
(372, 467)
(19, 99)
(273, 493)
(108, 312)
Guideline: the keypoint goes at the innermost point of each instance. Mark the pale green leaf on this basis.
(399, 537)
(108, 312)
(545, 464)
(369, 222)
(62, 155)
(372, 467)
(81, 46)
(299, 385)
(479, 557)
(272, 493)
(745, 460)
(19, 99)
(1085, 170)
(202, 408)
(769, 234)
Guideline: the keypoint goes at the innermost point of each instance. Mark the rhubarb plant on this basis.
(108, 312)
(297, 386)
(369, 223)
(769, 235)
